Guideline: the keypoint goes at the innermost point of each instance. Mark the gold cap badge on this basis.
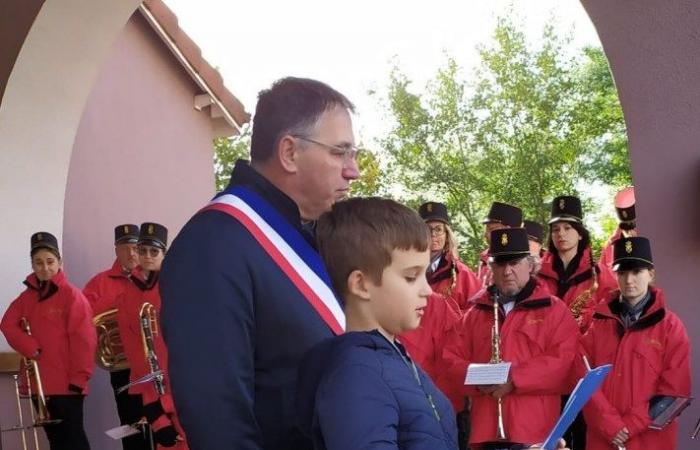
(429, 207)
(628, 247)
(126, 229)
(504, 239)
(624, 214)
(150, 229)
(562, 204)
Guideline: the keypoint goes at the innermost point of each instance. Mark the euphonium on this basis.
(149, 329)
(496, 359)
(110, 349)
(32, 371)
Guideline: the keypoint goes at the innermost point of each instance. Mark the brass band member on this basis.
(500, 216)
(102, 291)
(535, 237)
(634, 330)
(61, 339)
(139, 308)
(626, 227)
(568, 268)
(537, 336)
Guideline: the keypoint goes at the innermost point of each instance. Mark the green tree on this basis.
(600, 120)
(227, 151)
(518, 132)
(371, 181)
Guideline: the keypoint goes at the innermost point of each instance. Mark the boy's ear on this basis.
(357, 284)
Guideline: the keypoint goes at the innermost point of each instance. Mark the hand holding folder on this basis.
(582, 393)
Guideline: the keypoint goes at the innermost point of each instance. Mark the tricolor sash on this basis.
(300, 262)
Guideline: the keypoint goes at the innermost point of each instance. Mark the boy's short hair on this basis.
(361, 233)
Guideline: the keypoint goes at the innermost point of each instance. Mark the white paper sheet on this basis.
(482, 374)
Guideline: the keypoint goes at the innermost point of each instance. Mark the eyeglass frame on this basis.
(434, 230)
(348, 154)
(148, 250)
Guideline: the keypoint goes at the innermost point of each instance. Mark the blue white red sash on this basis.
(288, 249)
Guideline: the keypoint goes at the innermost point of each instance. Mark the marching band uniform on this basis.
(627, 227)
(453, 284)
(535, 237)
(102, 289)
(579, 284)
(158, 408)
(102, 292)
(62, 342)
(538, 337)
(649, 349)
(504, 216)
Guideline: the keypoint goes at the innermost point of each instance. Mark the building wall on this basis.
(141, 153)
(652, 46)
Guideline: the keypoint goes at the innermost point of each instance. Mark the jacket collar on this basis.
(47, 289)
(143, 282)
(578, 269)
(444, 268)
(244, 175)
(117, 271)
(653, 313)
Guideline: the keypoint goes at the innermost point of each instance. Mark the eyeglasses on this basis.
(437, 230)
(151, 251)
(347, 152)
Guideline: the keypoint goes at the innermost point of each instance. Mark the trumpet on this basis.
(496, 359)
(149, 329)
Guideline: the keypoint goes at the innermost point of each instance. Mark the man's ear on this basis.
(287, 153)
(357, 284)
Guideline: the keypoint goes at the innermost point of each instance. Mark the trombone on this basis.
(31, 368)
(149, 329)
(42, 417)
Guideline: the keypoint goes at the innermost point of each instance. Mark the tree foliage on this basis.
(529, 124)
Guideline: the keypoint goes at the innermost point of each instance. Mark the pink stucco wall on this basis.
(652, 46)
(142, 153)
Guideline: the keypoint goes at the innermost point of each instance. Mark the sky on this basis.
(353, 45)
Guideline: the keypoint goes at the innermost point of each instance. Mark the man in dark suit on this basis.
(244, 291)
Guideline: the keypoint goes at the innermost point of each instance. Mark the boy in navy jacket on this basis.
(362, 389)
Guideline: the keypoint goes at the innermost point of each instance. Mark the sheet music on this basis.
(484, 374)
(121, 432)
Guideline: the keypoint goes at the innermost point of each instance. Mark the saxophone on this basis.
(496, 359)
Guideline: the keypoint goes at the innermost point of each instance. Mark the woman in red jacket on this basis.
(158, 406)
(648, 346)
(568, 268)
(62, 341)
(447, 275)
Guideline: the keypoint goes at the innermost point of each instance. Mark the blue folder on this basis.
(582, 393)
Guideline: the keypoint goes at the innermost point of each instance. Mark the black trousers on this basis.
(575, 435)
(130, 410)
(464, 424)
(69, 434)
